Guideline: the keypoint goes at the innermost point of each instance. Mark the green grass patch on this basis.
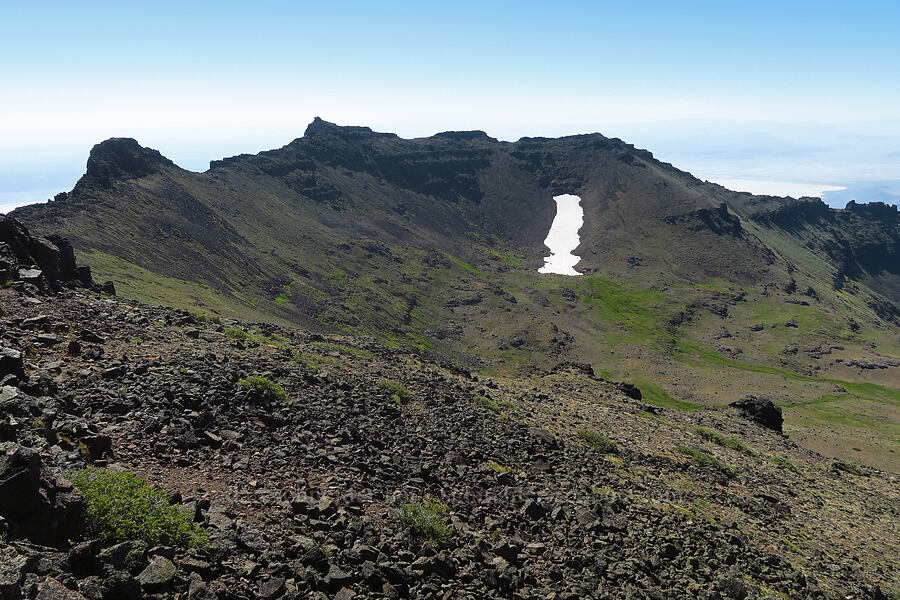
(488, 404)
(122, 506)
(202, 317)
(313, 361)
(505, 259)
(395, 388)
(425, 519)
(704, 458)
(598, 442)
(654, 394)
(265, 387)
(724, 440)
(237, 333)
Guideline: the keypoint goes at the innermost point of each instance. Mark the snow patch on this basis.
(563, 236)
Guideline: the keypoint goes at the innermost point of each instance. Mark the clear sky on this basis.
(202, 80)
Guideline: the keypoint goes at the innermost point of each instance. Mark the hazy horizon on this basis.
(798, 93)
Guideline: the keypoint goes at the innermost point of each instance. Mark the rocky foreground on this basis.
(557, 486)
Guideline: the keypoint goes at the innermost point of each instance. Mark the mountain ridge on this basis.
(433, 244)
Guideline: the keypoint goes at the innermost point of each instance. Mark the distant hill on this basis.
(700, 294)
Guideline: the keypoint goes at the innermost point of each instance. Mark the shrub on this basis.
(265, 387)
(205, 318)
(425, 519)
(724, 441)
(598, 442)
(236, 333)
(396, 388)
(485, 402)
(493, 465)
(704, 458)
(784, 463)
(121, 506)
(313, 361)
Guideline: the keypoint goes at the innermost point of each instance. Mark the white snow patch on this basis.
(563, 236)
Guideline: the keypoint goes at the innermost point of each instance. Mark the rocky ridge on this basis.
(300, 498)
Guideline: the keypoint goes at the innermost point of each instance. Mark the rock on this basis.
(130, 555)
(158, 575)
(533, 510)
(51, 589)
(11, 363)
(630, 390)
(271, 588)
(761, 411)
(439, 564)
(12, 573)
(37, 505)
(338, 578)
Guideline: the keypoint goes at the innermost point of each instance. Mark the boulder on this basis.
(38, 506)
(760, 410)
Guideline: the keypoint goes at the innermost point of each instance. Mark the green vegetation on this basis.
(784, 463)
(847, 466)
(237, 333)
(201, 317)
(399, 391)
(704, 458)
(313, 361)
(637, 309)
(597, 441)
(488, 404)
(657, 396)
(265, 387)
(121, 506)
(425, 519)
(493, 465)
(724, 441)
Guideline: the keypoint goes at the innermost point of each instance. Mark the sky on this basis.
(800, 93)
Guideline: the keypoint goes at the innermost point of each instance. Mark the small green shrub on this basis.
(784, 463)
(425, 519)
(725, 441)
(205, 318)
(121, 506)
(238, 334)
(487, 403)
(313, 361)
(396, 388)
(597, 441)
(493, 465)
(265, 387)
(704, 458)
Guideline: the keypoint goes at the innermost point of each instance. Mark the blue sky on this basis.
(695, 83)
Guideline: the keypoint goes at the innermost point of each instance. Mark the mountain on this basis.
(697, 294)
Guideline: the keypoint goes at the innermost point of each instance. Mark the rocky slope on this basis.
(301, 497)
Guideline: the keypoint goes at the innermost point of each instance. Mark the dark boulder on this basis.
(37, 260)
(37, 505)
(760, 410)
